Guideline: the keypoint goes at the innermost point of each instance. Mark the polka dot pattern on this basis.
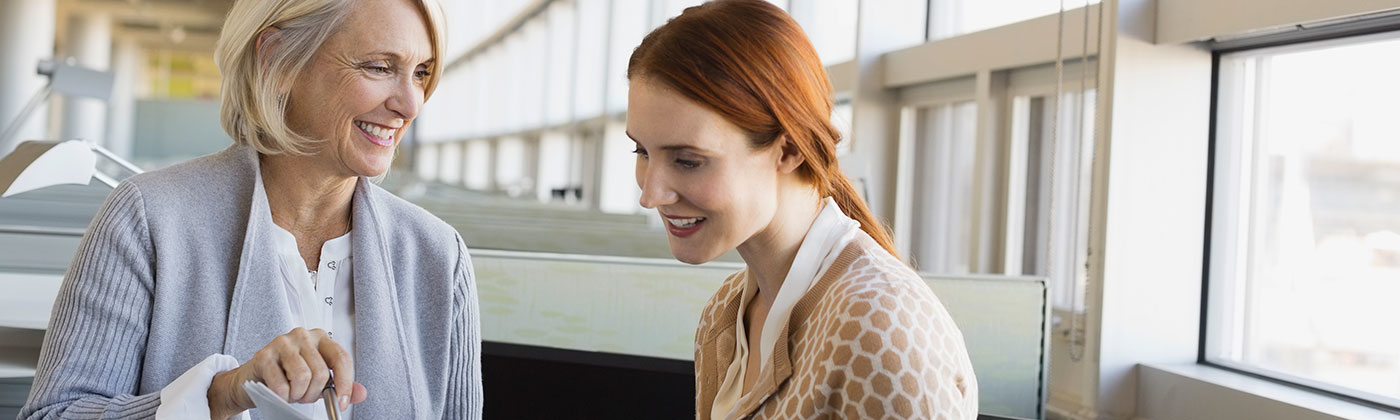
(870, 340)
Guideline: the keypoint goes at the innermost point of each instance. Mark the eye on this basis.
(422, 74)
(378, 67)
(639, 152)
(688, 164)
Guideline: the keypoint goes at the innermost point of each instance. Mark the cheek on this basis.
(359, 96)
(751, 197)
(725, 194)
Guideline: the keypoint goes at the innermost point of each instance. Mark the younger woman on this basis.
(730, 111)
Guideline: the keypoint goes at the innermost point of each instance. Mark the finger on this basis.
(359, 394)
(343, 364)
(268, 370)
(320, 374)
(297, 372)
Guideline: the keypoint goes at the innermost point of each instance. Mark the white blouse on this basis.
(317, 299)
(829, 234)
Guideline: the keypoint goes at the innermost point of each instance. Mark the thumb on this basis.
(359, 394)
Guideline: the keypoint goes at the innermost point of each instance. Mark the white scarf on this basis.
(829, 234)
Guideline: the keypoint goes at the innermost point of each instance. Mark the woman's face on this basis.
(713, 190)
(364, 86)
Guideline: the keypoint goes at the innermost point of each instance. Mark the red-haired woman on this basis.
(730, 110)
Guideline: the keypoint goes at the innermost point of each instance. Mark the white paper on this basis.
(269, 404)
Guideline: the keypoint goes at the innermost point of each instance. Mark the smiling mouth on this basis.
(683, 226)
(378, 134)
(684, 223)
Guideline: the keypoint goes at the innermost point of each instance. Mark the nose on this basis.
(406, 99)
(656, 191)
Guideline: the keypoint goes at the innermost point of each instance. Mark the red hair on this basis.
(750, 62)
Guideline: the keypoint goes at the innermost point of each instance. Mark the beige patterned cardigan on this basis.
(869, 340)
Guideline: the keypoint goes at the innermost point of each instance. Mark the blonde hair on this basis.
(253, 98)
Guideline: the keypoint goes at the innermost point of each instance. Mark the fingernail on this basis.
(344, 402)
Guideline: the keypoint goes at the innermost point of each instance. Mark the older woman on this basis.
(276, 260)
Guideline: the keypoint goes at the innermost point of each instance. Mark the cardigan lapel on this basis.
(381, 344)
(260, 310)
(717, 349)
(771, 380)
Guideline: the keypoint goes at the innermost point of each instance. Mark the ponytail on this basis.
(850, 202)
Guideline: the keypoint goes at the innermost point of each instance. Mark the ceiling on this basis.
(156, 24)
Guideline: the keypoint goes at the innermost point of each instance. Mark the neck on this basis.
(305, 198)
(770, 253)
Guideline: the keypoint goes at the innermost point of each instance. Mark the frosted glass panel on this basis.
(649, 307)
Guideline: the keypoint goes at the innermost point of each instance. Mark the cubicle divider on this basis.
(607, 309)
(602, 315)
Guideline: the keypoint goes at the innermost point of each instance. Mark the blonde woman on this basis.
(730, 110)
(275, 260)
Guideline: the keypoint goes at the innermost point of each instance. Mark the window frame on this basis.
(1346, 33)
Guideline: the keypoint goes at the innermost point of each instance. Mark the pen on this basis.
(328, 395)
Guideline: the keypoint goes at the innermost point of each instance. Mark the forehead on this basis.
(392, 26)
(658, 116)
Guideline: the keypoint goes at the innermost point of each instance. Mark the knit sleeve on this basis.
(464, 375)
(90, 364)
(901, 356)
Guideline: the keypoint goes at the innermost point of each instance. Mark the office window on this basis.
(841, 114)
(664, 10)
(830, 25)
(950, 18)
(517, 81)
(946, 153)
(1048, 191)
(433, 122)
(477, 165)
(512, 168)
(558, 86)
(629, 25)
(618, 191)
(425, 161)
(557, 179)
(450, 163)
(592, 57)
(1304, 233)
(496, 83)
(532, 73)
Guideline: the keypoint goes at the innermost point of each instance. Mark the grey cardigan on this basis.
(135, 310)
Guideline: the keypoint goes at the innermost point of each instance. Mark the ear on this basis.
(790, 157)
(267, 39)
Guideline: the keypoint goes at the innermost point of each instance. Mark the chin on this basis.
(692, 256)
(372, 166)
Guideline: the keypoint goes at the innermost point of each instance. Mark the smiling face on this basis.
(364, 86)
(699, 171)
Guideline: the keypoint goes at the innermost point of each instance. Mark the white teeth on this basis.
(374, 130)
(684, 223)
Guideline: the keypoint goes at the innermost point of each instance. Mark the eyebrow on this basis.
(670, 147)
(396, 57)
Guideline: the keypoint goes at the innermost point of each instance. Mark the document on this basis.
(269, 404)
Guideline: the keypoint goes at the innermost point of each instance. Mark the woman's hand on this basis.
(295, 366)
